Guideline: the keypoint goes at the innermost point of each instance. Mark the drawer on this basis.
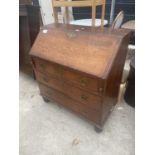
(82, 96)
(69, 103)
(77, 78)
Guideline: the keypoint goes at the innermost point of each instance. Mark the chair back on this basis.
(118, 20)
(78, 3)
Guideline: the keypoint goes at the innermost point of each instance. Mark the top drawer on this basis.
(82, 80)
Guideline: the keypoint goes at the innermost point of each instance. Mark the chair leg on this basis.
(121, 91)
(93, 13)
(67, 14)
(55, 14)
(102, 15)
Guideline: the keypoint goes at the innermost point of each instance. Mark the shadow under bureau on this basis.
(80, 68)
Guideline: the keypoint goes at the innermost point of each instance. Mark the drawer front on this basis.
(70, 76)
(61, 98)
(85, 98)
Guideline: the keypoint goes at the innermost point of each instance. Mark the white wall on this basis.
(46, 11)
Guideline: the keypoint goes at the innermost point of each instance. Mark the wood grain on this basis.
(82, 73)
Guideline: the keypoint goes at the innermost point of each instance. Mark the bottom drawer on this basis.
(69, 103)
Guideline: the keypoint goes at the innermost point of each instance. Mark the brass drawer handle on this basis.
(83, 97)
(45, 79)
(83, 111)
(84, 81)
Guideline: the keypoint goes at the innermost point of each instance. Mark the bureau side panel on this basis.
(114, 78)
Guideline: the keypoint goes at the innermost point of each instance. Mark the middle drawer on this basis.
(92, 84)
(84, 97)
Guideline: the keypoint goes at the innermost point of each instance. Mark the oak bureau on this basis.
(80, 68)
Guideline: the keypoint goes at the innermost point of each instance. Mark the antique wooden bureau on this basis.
(80, 68)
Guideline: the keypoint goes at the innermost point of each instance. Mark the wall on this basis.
(128, 6)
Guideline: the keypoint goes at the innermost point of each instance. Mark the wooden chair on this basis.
(79, 3)
(118, 20)
(117, 23)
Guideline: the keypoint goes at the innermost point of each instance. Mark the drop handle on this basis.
(83, 97)
(84, 112)
(45, 79)
(84, 81)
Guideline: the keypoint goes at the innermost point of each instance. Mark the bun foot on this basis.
(98, 129)
(45, 99)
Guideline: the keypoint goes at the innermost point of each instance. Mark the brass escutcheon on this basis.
(71, 34)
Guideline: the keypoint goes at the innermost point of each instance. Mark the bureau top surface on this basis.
(88, 50)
